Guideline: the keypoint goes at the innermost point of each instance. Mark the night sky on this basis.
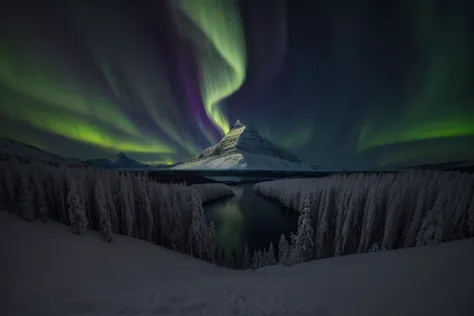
(339, 83)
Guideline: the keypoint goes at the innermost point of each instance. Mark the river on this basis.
(249, 219)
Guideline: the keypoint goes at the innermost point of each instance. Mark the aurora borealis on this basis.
(339, 83)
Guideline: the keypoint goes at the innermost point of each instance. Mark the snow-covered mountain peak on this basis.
(244, 148)
(238, 124)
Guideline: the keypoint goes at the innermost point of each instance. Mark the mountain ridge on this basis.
(244, 148)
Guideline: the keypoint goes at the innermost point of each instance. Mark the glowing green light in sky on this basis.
(443, 106)
(60, 95)
(58, 107)
(219, 20)
(419, 131)
(132, 66)
(76, 128)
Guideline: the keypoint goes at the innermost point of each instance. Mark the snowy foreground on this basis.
(46, 270)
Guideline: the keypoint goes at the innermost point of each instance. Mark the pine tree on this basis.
(350, 218)
(283, 250)
(344, 196)
(393, 216)
(176, 229)
(368, 221)
(3, 188)
(77, 214)
(259, 258)
(127, 214)
(212, 242)
(60, 194)
(431, 229)
(144, 209)
(109, 201)
(25, 197)
(246, 260)
(255, 260)
(8, 182)
(303, 241)
(198, 229)
(271, 260)
(322, 239)
(470, 217)
(101, 211)
(38, 193)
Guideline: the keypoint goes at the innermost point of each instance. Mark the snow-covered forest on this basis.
(111, 202)
(213, 191)
(340, 214)
(346, 214)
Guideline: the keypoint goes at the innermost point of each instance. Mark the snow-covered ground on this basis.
(46, 270)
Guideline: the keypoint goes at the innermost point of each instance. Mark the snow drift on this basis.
(48, 271)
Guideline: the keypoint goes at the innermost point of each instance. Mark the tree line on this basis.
(346, 214)
(113, 202)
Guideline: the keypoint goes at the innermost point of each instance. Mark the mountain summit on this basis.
(244, 148)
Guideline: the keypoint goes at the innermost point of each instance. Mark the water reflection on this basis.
(249, 219)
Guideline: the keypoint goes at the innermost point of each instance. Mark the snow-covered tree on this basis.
(368, 221)
(198, 230)
(127, 207)
(246, 260)
(393, 215)
(283, 254)
(322, 236)
(39, 199)
(144, 211)
(4, 198)
(470, 217)
(25, 203)
(303, 241)
(77, 213)
(431, 230)
(255, 262)
(271, 260)
(8, 181)
(211, 242)
(107, 178)
(101, 211)
(259, 259)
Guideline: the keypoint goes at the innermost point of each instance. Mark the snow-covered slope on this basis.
(244, 148)
(19, 149)
(46, 270)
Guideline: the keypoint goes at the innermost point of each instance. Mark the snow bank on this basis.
(213, 191)
(359, 213)
(46, 270)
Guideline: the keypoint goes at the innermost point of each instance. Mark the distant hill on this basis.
(9, 147)
(120, 162)
(22, 151)
(463, 165)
